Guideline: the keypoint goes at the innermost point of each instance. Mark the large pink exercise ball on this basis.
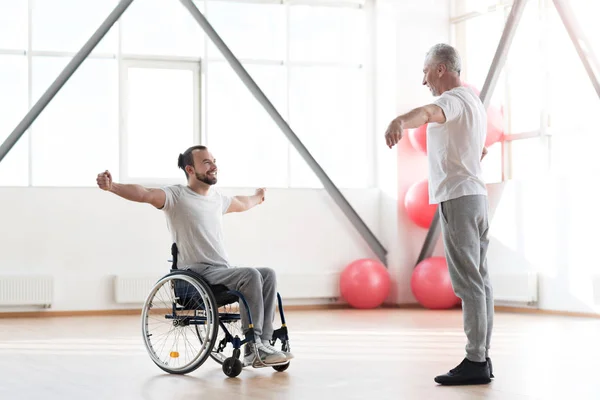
(495, 125)
(416, 203)
(418, 138)
(495, 120)
(365, 283)
(431, 285)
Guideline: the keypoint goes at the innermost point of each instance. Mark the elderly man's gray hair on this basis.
(444, 54)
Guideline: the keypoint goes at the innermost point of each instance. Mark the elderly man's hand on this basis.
(394, 133)
(483, 153)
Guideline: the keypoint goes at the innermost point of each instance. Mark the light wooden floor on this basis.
(341, 354)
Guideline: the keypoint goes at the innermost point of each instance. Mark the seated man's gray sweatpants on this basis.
(259, 287)
(465, 227)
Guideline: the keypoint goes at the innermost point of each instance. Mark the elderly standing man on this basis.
(456, 133)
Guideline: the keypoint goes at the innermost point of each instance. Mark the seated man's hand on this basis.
(104, 180)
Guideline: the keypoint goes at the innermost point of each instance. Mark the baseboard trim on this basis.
(138, 311)
(313, 307)
(522, 310)
(72, 313)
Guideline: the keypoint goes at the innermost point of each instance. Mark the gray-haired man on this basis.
(456, 135)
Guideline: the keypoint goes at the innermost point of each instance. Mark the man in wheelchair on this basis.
(194, 214)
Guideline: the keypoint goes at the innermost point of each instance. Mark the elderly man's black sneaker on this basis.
(467, 373)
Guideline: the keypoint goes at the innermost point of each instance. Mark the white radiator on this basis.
(26, 290)
(133, 289)
(515, 287)
(309, 286)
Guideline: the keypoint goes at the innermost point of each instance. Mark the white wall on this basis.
(85, 236)
(406, 30)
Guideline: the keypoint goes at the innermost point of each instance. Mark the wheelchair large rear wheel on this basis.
(177, 305)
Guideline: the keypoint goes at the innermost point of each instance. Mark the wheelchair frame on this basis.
(216, 297)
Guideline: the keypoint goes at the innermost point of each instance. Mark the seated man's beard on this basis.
(204, 178)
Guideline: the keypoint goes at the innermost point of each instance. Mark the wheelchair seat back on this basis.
(189, 296)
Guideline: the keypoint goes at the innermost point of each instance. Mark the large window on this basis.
(14, 169)
(156, 84)
(544, 91)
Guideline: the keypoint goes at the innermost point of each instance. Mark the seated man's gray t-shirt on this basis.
(195, 222)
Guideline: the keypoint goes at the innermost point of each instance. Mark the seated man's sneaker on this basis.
(287, 354)
(266, 355)
(466, 373)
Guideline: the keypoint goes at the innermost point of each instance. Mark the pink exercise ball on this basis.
(418, 138)
(495, 125)
(431, 285)
(365, 283)
(495, 120)
(416, 203)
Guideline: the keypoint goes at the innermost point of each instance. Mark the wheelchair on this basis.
(185, 320)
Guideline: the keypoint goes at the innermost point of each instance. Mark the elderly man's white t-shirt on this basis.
(454, 148)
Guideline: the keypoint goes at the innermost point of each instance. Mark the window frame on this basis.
(135, 62)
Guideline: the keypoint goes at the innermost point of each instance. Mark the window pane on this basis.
(159, 27)
(481, 35)
(328, 113)
(525, 80)
(571, 91)
(586, 12)
(492, 164)
(13, 24)
(529, 158)
(76, 136)
(250, 149)
(14, 168)
(254, 31)
(65, 25)
(461, 7)
(160, 120)
(327, 34)
(574, 153)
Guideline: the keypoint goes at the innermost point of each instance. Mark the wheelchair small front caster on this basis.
(232, 367)
(281, 368)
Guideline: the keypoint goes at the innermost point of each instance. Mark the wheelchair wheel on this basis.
(232, 367)
(177, 304)
(281, 368)
(285, 346)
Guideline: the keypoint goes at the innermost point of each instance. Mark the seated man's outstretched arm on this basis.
(244, 203)
(136, 193)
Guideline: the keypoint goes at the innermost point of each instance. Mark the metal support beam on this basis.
(486, 94)
(502, 51)
(63, 77)
(582, 45)
(330, 187)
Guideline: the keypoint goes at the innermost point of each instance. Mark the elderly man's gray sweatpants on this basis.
(259, 287)
(465, 227)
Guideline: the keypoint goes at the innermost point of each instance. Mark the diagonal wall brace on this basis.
(330, 187)
(486, 94)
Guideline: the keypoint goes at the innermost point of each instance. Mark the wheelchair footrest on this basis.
(281, 334)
